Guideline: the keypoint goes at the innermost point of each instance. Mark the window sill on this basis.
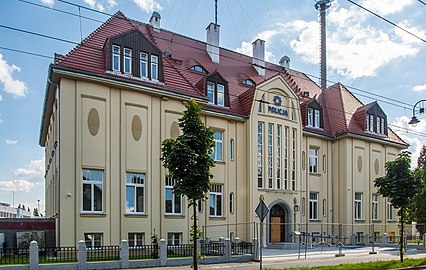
(315, 173)
(135, 215)
(217, 218)
(93, 214)
(376, 221)
(174, 216)
(315, 220)
(220, 162)
(130, 76)
(359, 220)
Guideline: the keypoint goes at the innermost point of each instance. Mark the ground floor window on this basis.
(174, 239)
(216, 200)
(136, 239)
(93, 239)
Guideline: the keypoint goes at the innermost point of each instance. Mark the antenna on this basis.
(215, 12)
(322, 5)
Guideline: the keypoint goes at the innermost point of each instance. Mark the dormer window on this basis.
(377, 126)
(154, 67)
(116, 58)
(216, 93)
(314, 118)
(144, 64)
(199, 68)
(127, 61)
(248, 82)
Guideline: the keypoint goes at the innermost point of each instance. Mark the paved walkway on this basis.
(275, 258)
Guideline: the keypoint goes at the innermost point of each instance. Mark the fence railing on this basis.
(242, 248)
(103, 253)
(57, 254)
(183, 250)
(14, 256)
(213, 249)
(143, 252)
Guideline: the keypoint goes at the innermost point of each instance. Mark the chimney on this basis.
(213, 42)
(155, 21)
(259, 56)
(285, 62)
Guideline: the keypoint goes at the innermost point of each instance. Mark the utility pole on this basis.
(321, 6)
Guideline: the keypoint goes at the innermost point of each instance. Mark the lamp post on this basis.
(420, 105)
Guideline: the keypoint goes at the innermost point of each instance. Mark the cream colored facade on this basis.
(94, 125)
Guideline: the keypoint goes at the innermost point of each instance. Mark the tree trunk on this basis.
(195, 236)
(401, 237)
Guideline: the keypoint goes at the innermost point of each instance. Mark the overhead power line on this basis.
(388, 21)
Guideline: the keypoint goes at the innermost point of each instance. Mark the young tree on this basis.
(399, 185)
(188, 160)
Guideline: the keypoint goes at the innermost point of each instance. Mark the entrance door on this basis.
(276, 224)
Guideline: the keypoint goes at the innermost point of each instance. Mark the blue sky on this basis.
(378, 60)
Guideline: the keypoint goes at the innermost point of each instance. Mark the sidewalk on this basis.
(275, 258)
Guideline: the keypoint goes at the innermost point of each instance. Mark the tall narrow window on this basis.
(286, 157)
(324, 163)
(154, 67)
(231, 202)
(278, 177)
(218, 147)
(260, 155)
(374, 207)
(324, 207)
(303, 206)
(390, 211)
(378, 125)
(310, 117)
(92, 190)
(231, 149)
(313, 160)
(127, 60)
(220, 94)
(358, 206)
(367, 122)
(173, 201)
(317, 118)
(115, 58)
(313, 205)
(371, 122)
(215, 200)
(210, 92)
(293, 169)
(270, 155)
(382, 125)
(135, 185)
(144, 64)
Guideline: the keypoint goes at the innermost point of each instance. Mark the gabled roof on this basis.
(341, 109)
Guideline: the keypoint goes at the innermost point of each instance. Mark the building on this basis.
(7, 211)
(311, 153)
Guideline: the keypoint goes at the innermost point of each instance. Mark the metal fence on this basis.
(183, 250)
(14, 256)
(241, 248)
(212, 249)
(103, 253)
(143, 252)
(244, 231)
(57, 254)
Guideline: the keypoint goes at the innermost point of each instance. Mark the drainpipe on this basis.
(332, 186)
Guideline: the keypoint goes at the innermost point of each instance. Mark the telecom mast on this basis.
(322, 5)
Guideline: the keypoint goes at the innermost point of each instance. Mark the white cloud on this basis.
(1, 121)
(407, 133)
(15, 87)
(419, 88)
(33, 171)
(1, 98)
(11, 141)
(16, 185)
(386, 7)
(148, 5)
(112, 3)
(50, 3)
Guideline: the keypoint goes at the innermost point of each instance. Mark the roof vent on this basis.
(168, 53)
(259, 56)
(213, 42)
(306, 93)
(155, 21)
(285, 61)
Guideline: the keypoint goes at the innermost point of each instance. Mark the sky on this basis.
(374, 59)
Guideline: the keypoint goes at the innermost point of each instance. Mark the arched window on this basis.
(324, 208)
(303, 160)
(231, 202)
(199, 68)
(248, 82)
(231, 149)
(324, 163)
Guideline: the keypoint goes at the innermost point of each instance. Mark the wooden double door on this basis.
(277, 226)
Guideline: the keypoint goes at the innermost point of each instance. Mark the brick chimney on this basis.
(259, 56)
(213, 42)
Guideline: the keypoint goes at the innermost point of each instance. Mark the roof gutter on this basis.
(395, 144)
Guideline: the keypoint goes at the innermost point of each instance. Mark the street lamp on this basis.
(421, 109)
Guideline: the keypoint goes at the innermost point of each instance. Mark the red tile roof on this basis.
(342, 111)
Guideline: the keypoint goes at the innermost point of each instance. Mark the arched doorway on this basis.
(277, 226)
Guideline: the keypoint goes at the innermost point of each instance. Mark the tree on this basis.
(420, 199)
(35, 212)
(188, 160)
(400, 186)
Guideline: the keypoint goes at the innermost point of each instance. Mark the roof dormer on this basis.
(375, 119)
(314, 115)
(216, 89)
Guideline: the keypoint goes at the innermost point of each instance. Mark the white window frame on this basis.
(210, 93)
(218, 144)
(216, 200)
(286, 171)
(93, 182)
(313, 205)
(260, 174)
(382, 125)
(116, 57)
(127, 59)
(143, 60)
(293, 171)
(220, 90)
(174, 238)
(317, 118)
(310, 117)
(371, 123)
(313, 160)
(367, 122)
(390, 213)
(140, 184)
(358, 206)
(279, 156)
(378, 125)
(169, 186)
(154, 67)
(374, 207)
(136, 239)
(91, 239)
(270, 155)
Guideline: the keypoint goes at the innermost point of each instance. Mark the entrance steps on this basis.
(283, 245)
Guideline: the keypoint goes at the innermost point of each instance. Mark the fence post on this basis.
(354, 239)
(82, 255)
(367, 239)
(33, 255)
(124, 253)
(255, 249)
(163, 252)
(228, 249)
(385, 239)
